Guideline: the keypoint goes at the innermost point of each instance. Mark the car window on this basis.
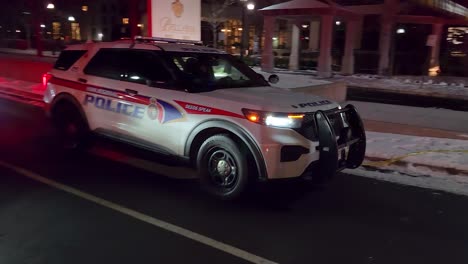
(67, 58)
(145, 66)
(216, 71)
(224, 69)
(138, 66)
(107, 63)
(220, 68)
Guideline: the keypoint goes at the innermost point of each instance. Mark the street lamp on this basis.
(250, 7)
(71, 18)
(50, 6)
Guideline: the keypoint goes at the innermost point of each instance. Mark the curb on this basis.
(406, 92)
(402, 163)
(21, 94)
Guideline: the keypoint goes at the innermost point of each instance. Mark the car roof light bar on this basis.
(141, 39)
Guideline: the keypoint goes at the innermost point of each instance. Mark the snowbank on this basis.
(435, 163)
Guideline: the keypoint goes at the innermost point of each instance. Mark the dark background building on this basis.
(73, 21)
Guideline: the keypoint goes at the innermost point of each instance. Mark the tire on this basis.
(70, 127)
(222, 167)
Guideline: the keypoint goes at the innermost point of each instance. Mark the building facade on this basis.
(229, 25)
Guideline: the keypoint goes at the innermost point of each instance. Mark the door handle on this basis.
(131, 92)
(82, 80)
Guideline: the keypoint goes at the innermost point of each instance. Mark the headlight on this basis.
(283, 120)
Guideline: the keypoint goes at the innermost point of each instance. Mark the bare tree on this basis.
(215, 18)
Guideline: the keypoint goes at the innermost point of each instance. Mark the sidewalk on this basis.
(438, 164)
(439, 87)
(442, 91)
(29, 52)
(23, 89)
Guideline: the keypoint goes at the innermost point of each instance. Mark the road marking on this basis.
(142, 217)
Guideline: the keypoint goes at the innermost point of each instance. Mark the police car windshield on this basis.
(213, 71)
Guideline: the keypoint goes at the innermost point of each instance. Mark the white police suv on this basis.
(203, 106)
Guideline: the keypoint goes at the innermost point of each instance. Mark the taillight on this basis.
(45, 79)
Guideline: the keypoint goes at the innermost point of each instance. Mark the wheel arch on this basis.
(212, 127)
(65, 97)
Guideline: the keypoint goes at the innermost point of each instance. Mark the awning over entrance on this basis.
(306, 8)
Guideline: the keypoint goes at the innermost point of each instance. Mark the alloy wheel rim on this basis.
(222, 168)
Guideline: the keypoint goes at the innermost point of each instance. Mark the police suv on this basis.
(203, 106)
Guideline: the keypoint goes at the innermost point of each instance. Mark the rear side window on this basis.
(138, 66)
(107, 63)
(67, 58)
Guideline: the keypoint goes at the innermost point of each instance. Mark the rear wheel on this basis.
(70, 127)
(222, 167)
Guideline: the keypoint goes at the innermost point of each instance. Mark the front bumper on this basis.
(315, 149)
(339, 148)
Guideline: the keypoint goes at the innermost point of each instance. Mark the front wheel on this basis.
(222, 167)
(70, 127)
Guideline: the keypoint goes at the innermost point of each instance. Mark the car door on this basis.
(107, 100)
(163, 120)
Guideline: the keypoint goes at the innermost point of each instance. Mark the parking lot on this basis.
(95, 208)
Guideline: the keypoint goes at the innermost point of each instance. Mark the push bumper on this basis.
(339, 148)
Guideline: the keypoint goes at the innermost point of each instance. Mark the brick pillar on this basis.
(295, 47)
(267, 52)
(352, 30)
(314, 35)
(435, 45)
(326, 37)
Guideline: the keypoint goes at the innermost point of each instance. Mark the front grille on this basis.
(336, 122)
(309, 127)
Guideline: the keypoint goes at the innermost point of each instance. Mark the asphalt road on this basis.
(377, 96)
(352, 220)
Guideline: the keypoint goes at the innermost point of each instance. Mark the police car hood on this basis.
(274, 99)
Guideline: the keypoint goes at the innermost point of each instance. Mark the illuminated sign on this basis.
(457, 38)
(176, 19)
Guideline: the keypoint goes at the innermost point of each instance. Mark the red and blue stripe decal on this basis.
(197, 109)
(156, 108)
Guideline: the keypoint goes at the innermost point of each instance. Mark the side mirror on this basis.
(273, 78)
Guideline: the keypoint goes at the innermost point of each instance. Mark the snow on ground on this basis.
(431, 152)
(292, 80)
(451, 87)
(434, 163)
